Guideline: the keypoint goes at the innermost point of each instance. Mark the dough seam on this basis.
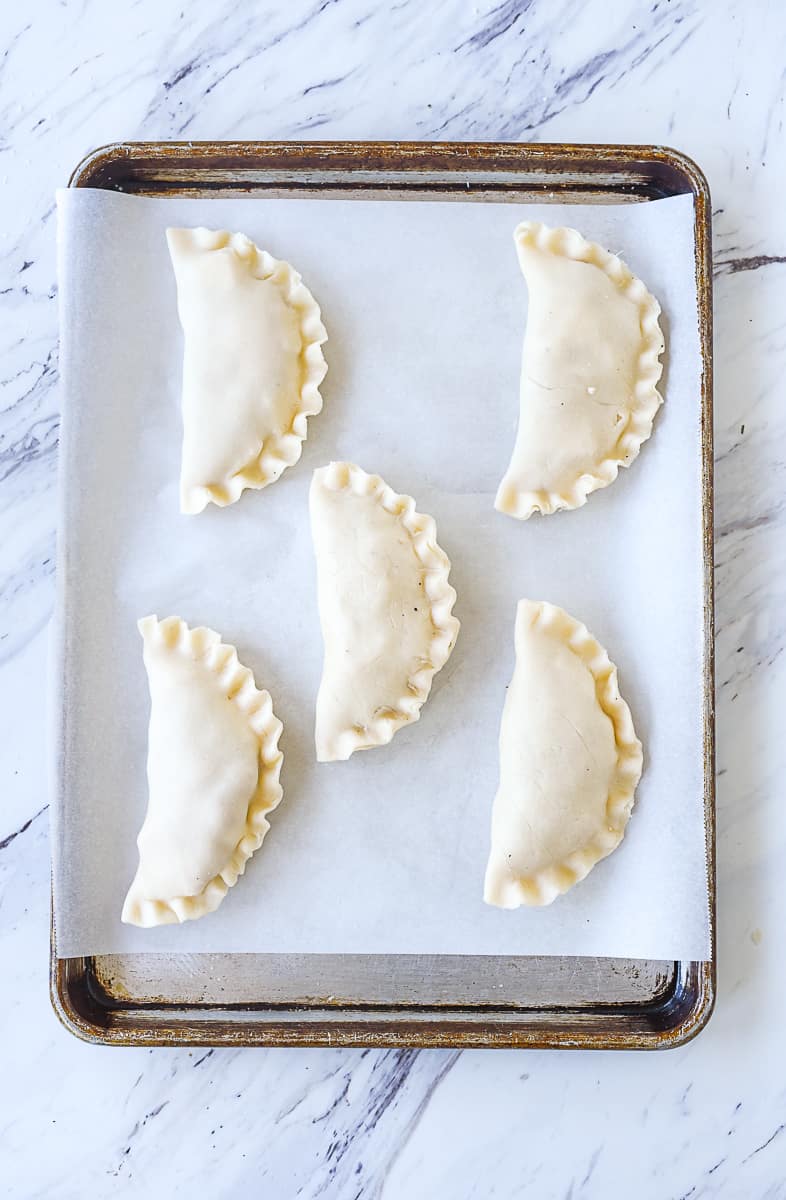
(569, 243)
(205, 646)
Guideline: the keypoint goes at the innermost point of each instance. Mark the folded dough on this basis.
(589, 372)
(252, 366)
(569, 762)
(385, 608)
(213, 771)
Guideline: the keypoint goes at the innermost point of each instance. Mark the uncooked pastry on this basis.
(252, 365)
(569, 762)
(590, 367)
(213, 772)
(385, 607)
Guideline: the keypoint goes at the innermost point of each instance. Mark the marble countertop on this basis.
(708, 1119)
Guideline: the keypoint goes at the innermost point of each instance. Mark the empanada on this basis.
(252, 365)
(569, 762)
(213, 771)
(385, 607)
(589, 371)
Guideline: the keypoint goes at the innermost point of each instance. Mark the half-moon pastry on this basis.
(252, 364)
(590, 367)
(569, 762)
(213, 772)
(385, 607)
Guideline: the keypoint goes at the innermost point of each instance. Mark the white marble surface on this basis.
(705, 1120)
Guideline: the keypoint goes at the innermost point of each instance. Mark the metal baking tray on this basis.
(411, 1000)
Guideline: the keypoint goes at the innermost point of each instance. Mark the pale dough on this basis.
(252, 364)
(590, 367)
(569, 762)
(385, 608)
(213, 773)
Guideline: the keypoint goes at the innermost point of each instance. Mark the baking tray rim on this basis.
(67, 975)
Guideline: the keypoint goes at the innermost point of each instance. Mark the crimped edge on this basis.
(279, 450)
(646, 399)
(506, 890)
(206, 647)
(422, 531)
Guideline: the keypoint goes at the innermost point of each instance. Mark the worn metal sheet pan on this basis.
(414, 1000)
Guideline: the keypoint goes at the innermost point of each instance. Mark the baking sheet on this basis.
(425, 308)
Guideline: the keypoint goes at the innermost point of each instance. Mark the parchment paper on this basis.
(425, 307)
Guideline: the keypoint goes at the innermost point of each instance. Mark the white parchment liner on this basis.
(425, 307)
